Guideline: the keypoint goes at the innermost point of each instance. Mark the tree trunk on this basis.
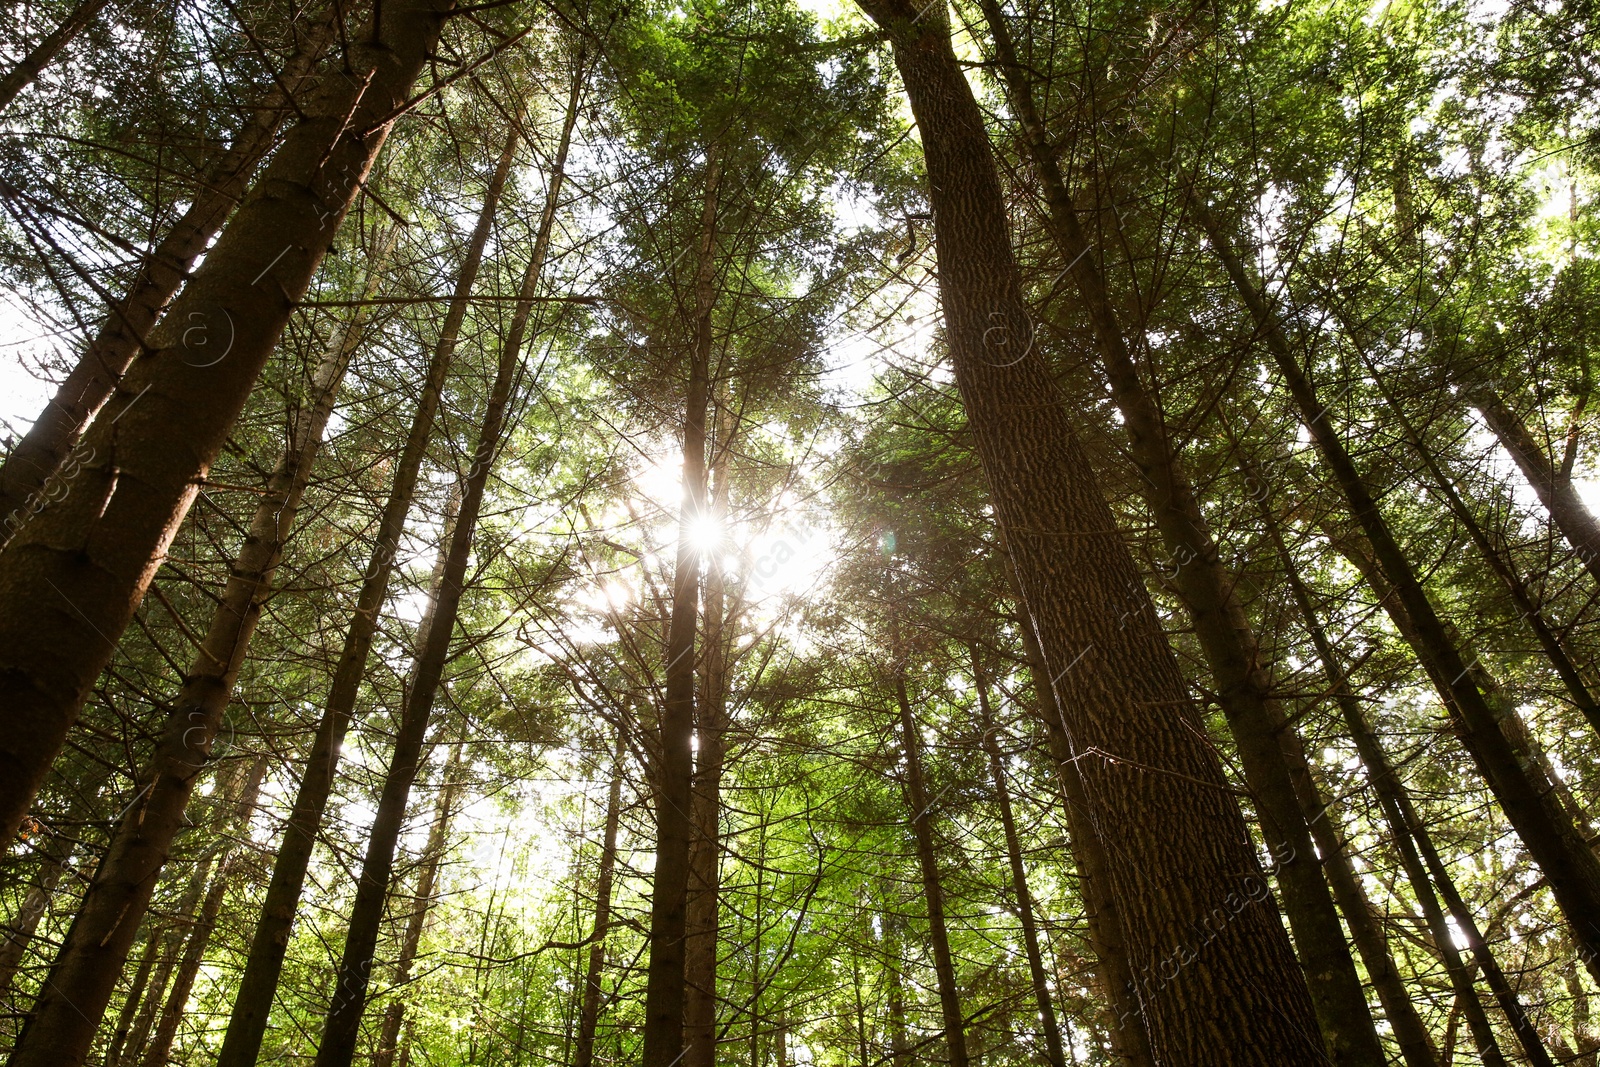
(1269, 752)
(136, 996)
(1556, 492)
(705, 852)
(28, 68)
(159, 1049)
(1406, 831)
(1546, 828)
(955, 1029)
(432, 857)
(343, 1024)
(1019, 875)
(664, 984)
(589, 1020)
(72, 578)
(247, 1026)
(84, 974)
(49, 442)
(19, 932)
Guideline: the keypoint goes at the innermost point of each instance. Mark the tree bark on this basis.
(84, 974)
(136, 995)
(1043, 1000)
(247, 1026)
(72, 578)
(27, 69)
(664, 982)
(20, 931)
(342, 1026)
(42, 451)
(1177, 847)
(1519, 784)
(955, 1028)
(589, 1018)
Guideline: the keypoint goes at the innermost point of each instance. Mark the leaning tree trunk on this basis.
(72, 578)
(27, 69)
(955, 1024)
(42, 451)
(84, 974)
(432, 857)
(664, 981)
(342, 1026)
(1054, 1052)
(701, 916)
(589, 1016)
(135, 999)
(1274, 766)
(252, 1003)
(1556, 491)
(1177, 846)
(1519, 784)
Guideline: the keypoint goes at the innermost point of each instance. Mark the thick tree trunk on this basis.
(252, 1004)
(27, 69)
(1514, 775)
(589, 1017)
(705, 852)
(42, 451)
(72, 578)
(1270, 754)
(955, 1028)
(1556, 491)
(83, 977)
(1177, 848)
(664, 983)
(1054, 1052)
(342, 1026)
(432, 857)
(159, 1048)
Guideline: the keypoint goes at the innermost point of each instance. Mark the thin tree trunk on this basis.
(342, 1026)
(83, 976)
(589, 1020)
(955, 1029)
(1177, 846)
(28, 68)
(433, 857)
(1019, 875)
(136, 996)
(159, 1049)
(664, 983)
(247, 1026)
(20, 931)
(42, 451)
(1406, 831)
(1556, 492)
(899, 1046)
(705, 852)
(72, 578)
(1546, 828)
(1273, 764)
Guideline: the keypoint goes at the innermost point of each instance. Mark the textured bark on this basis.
(1054, 1053)
(589, 1017)
(1176, 845)
(955, 1029)
(42, 451)
(159, 1049)
(27, 69)
(701, 917)
(664, 982)
(1556, 491)
(1273, 764)
(72, 578)
(252, 1004)
(1513, 773)
(432, 857)
(84, 973)
(342, 1027)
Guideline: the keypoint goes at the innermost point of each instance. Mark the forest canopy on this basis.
(772, 532)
